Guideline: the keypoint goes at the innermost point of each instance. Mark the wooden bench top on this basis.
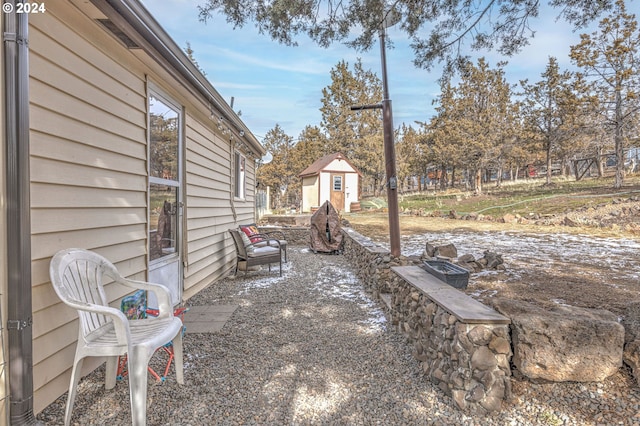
(463, 307)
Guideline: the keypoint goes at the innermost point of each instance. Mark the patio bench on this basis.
(253, 254)
(262, 238)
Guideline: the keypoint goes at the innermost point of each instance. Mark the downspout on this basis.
(232, 180)
(19, 323)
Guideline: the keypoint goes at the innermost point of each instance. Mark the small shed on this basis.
(331, 178)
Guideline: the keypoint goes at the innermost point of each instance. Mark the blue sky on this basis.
(275, 84)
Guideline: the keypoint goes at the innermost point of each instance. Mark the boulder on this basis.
(508, 218)
(631, 357)
(446, 250)
(631, 321)
(564, 344)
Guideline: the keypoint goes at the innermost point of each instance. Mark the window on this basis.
(337, 183)
(240, 179)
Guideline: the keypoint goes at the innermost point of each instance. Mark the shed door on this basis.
(165, 196)
(337, 191)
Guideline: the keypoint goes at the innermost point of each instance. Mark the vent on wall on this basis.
(117, 33)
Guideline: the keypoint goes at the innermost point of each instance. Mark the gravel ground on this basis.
(311, 348)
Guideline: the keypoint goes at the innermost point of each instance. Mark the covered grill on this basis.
(326, 235)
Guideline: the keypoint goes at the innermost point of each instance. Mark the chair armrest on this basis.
(120, 321)
(163, 296)
(257, 244)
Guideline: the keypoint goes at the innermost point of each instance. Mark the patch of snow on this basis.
(615, 257)
(343, 284)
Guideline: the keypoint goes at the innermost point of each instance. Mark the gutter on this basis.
(136, 22)
(18, 232)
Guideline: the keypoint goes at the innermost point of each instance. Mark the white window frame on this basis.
(337, 179)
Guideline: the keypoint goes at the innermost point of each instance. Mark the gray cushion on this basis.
(247, 243)
(265, 251)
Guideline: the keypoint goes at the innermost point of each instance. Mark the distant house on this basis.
(115, 142)
(332, 178)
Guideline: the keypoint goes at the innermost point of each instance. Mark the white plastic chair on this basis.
(77, 276)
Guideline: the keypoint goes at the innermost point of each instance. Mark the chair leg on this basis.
(178, 358)
(138, 362)
(111, 372)
(73, 385)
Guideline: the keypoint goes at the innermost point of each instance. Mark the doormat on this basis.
(207, 319)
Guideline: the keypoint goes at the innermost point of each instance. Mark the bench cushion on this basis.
(265, 251)
(247, 243)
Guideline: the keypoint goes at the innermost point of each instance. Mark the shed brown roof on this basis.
(321, 163)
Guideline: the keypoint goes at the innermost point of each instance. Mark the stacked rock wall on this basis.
(295, 235)
(371, 262)
(470, 362)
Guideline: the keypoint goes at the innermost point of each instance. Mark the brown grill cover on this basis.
(325, 229)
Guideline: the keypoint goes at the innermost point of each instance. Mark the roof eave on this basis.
(137, 23)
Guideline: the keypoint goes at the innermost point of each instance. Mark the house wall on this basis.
(211, 253)
(89, 175)
(310, 188)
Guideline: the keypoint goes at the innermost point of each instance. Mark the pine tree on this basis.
(551, 108)
(610, 58)
(358, 135)
(279, 173)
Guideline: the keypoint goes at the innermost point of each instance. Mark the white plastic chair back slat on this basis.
(82, 281)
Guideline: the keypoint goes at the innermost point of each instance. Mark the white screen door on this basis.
(165, 196)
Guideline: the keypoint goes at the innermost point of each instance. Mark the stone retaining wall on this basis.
(295, 235)
(371, 262)
(469, 362)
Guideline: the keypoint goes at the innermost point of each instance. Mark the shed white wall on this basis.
(351, 181)
(317, 189)
(310, 185)
(339, 166)
(324, 187)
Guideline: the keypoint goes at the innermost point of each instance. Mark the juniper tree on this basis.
(611, 59)
(439, 30)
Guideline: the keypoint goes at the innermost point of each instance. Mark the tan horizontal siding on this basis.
(48, 122)
(65, 105)
(67, 81)
(80, 196)
(87, 152)
(63, 173)
(208, 187)
(84, 218)
(88, 51)
(88, 173)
